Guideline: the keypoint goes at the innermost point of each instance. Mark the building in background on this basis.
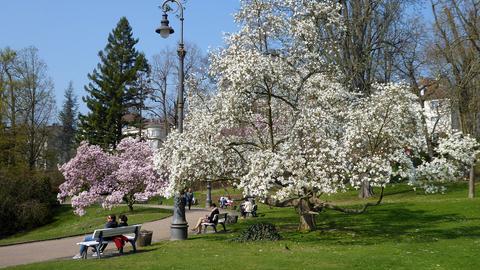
(151, 130)
(440, 118)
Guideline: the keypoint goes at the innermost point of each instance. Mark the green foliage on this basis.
(68, 119)
(114, 89)
(259, 232)
(27, 201)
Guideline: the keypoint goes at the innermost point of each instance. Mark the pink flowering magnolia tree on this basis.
(125, 176)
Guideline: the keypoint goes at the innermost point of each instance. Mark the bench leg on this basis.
(97, 249)
(224, 228)
(134, 246)
(84, 254)
(215, 228)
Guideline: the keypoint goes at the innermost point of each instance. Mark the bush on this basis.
(259, 232)
(27, 201)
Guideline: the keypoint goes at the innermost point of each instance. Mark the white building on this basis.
(439, 116)
(153, 131)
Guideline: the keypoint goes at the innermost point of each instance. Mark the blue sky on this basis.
(69, 34)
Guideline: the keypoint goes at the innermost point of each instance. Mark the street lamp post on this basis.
(208, 202)
(179, 226)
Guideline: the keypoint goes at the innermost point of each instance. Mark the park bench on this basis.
(217, 219)
(130, 232)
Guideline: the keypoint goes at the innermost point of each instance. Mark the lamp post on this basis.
(179, 226)
(208, 202)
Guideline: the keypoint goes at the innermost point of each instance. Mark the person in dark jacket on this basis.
(207, 218)
(119, 240)
(111, 223)
(189, 198)
(122, 221)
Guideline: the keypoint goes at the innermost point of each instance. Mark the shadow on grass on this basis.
(114, 254)
(390, 223)
(393, 222)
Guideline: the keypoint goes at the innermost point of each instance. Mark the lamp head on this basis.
(164, 30)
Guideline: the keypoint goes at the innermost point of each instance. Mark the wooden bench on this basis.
(217, 219)
(130, 232)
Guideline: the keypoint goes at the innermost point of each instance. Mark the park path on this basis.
(66, 247)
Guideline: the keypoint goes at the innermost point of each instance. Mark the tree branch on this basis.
(323, 205)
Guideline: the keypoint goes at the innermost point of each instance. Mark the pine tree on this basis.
(114, 87)
(69, 120)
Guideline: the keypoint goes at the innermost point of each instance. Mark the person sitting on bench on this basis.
(119, 240)
(207, 218)
(246, 207)
(111, 223)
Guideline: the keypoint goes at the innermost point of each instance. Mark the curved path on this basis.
(66, 247)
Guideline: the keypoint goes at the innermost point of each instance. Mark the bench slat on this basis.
(88, 243)
(115, 231)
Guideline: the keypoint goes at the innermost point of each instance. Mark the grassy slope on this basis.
(408, 231)
(65, 223)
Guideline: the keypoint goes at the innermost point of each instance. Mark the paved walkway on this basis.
(66, 247)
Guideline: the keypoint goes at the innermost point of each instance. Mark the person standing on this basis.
(189, 197)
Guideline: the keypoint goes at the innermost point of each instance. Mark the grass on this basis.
(409, 230)
(65, 223)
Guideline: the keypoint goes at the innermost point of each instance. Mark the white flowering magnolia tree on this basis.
(283, 130)
(124, 176)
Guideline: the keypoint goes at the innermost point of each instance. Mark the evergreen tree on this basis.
(69, 120)
(114, 88)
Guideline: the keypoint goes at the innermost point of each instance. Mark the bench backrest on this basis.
(222, 218)
(134, 229)
(215, 219)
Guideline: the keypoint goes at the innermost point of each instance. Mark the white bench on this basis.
(217, 219)
(130, 232)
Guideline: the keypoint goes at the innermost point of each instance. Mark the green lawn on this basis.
(409, 230)
(65, 223)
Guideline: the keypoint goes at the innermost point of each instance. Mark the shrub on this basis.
(259, 232)
(27, 201)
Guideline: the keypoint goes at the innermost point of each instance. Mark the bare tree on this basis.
(457, 46)
(372, 38)
(164, 80)
(162, 69)
(36, 102)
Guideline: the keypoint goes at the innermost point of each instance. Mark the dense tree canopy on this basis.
(115, 88)
(283, 129)
(126, 175)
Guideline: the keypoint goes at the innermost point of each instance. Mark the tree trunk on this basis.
(366, 191)
(307, 220)
(129, 200)
(471, 183)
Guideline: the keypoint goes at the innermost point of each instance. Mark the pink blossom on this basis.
(95, 176)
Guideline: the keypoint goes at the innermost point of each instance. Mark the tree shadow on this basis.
(391, 222)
